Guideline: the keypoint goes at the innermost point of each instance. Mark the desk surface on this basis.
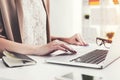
(45, 71)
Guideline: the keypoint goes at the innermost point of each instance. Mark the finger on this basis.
(60, 48)
(77, 43)
(78, 38)
(81, 44)
(68, 48)
(80, 41)
(85, 44)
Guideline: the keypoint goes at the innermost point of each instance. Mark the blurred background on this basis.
(90, 18)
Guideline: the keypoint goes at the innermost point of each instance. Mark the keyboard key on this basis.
(93, 57)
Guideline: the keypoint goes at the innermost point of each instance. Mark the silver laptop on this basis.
(106, 56)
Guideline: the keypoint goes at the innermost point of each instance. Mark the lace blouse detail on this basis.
(34, 22)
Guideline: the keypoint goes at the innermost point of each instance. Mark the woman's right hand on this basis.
(53, 46)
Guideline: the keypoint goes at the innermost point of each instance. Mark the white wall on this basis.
(63, 19)
(67, 18)
(103, 18)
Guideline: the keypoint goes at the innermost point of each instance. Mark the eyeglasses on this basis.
(102, 41)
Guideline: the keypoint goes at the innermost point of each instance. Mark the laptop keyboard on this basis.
(93, 57)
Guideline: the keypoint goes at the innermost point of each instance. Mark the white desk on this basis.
(45, 71)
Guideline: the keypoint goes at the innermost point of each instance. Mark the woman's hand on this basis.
(53, 46)
(76, 40)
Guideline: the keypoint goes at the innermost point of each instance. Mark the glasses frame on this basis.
(103, 41)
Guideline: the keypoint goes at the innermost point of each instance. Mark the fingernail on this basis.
(74, 51)
(66, 50)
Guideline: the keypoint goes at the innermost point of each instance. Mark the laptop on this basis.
(106, 56)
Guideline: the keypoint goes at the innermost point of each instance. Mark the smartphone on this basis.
(90, 77)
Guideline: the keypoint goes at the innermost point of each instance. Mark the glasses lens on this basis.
(107, 45)
(99, 42)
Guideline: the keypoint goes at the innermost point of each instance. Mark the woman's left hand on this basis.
(76, 40)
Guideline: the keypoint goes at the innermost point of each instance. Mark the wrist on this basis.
(40, 50)
(32, 50)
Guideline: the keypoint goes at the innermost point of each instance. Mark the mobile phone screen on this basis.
(89, 77)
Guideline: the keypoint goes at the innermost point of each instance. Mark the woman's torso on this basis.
(31, 15)
(34, 22)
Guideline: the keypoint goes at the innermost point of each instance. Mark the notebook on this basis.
(12, 59)
(107, 56)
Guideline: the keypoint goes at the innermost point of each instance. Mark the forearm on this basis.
(60, 38)
(16, 47)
